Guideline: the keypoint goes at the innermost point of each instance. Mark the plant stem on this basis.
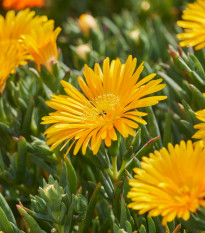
(59, 228)
(124, 163)
(109, 171)
(114, 168)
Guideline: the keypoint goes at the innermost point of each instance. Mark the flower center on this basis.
(101, 107)
(185, 191)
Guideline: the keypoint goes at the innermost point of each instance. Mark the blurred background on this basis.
(143, 28)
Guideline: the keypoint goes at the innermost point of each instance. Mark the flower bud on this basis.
(134, 35)
(82, 50)
(145, 5)
(51, 192)
(87, 22)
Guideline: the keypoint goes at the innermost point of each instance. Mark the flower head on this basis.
(21, 4)
(86, 22)
(166, 185)
(194, 25)
(41, 44)
(109, 104)
(13, 26)
(200, 134)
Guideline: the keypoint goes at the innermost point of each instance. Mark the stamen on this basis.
(101, 106)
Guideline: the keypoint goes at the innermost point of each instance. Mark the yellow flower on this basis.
(171, 182)
(110, 101)
(34, 34)
(41, 44)
(86, 22)
(200, 134)
(13, 26)
(194, 25)
(11, 57)
(21, 4)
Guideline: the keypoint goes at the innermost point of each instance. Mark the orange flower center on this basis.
(189, 197)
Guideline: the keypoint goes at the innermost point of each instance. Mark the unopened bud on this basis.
(134, 35)
(87, 22)
(82, 50)
(145, 5)
(51, 192)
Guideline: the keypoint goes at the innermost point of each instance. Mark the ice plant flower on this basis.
(21, 4)
(171, 183)
(41, 44)
(109, 102)
(194, 25)
(10, 58)
(200, 134)
(86, 22)
(13, 26)
(34, 34)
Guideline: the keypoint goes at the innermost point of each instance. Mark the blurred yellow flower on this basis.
(194, 25)
(87, 22)
(41, 44)
(200, 134)
(11, 29)
(171, 182)
(13, 26)
(109, 103)
(11, 57)
(24, 24)
(21, 4)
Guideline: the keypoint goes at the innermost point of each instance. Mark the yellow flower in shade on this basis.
(200, 134)
(194, 25)
(109, 103)
(87, 22)
(11, 57)
(21, 4)
(171, 182)
(41, 44)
